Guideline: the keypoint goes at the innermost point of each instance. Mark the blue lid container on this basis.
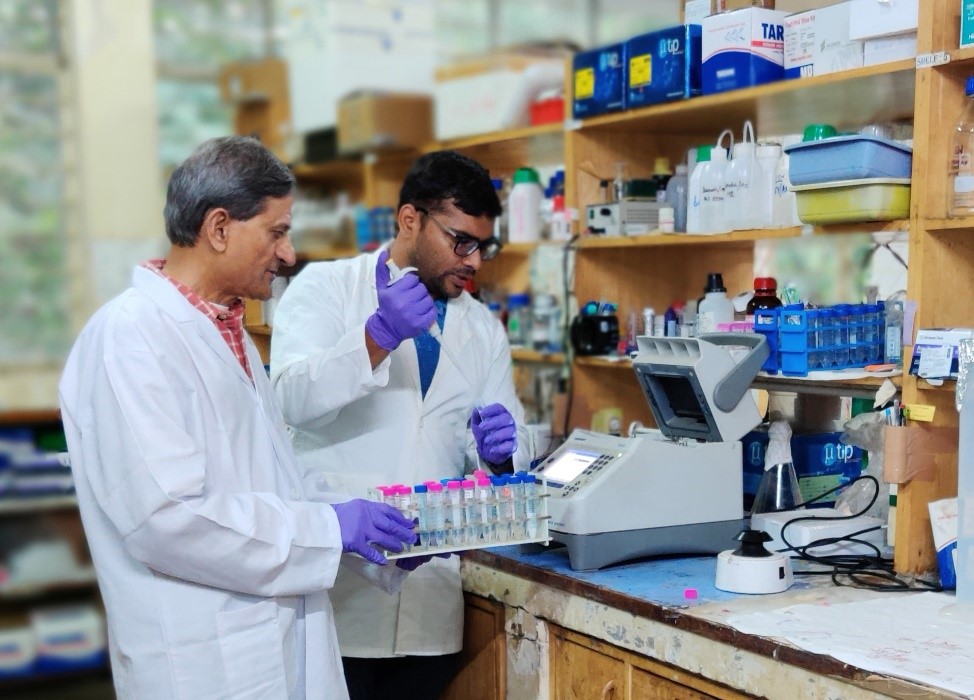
(847, 158)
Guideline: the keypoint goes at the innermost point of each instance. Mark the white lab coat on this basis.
(355, 428)
(212, 565)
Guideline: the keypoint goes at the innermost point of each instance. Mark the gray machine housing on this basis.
(676, 490)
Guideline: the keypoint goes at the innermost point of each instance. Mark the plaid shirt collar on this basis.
(227, 319)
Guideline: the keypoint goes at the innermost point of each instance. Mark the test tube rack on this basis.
(503, 529)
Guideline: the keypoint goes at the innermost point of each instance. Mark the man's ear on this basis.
(216, 228)
(410, 221)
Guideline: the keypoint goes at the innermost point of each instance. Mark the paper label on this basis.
(935, 361)
(584, 83)
(640, 70)
(919, 412)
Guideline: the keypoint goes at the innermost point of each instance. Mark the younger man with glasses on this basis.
(372, 400)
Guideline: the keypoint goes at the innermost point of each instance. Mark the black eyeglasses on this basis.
(464, 245)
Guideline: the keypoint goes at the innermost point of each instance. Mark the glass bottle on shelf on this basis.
(961, 167)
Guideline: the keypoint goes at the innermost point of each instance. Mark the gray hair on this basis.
(235, 173)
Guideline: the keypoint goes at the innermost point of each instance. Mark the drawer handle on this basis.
(609, 688)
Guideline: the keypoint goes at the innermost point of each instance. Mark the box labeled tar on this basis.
(663, 65)
(967, 23)
(742, 48)
(817, 42)
(598, 79)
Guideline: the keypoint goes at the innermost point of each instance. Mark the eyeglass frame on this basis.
(462, 239)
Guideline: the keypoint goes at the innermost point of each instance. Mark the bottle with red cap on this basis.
(765, 297)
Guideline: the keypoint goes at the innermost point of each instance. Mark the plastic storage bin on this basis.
(849, 201)
(854, 157)
(836, 337)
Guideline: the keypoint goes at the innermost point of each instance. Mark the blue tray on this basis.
(847, 158)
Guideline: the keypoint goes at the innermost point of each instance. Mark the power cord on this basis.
(872, 572)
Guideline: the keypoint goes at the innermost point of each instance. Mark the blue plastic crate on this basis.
(836, 337)
(852, 157)
(766, 323)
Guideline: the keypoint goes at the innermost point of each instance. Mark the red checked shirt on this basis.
(228, 320)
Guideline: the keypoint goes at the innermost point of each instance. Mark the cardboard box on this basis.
(875, 18)
(492, 93)
(742, 48)
(889, 48)
(598, 79)
(663, 65)
(817, 42)
(967, 23)
(259, 92)
(939, 338)
(369, 121)
(693, 11)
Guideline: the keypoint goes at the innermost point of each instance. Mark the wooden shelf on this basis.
(262, 329)
(850, 98)
(545, 358)
(30, 417)
(496, 137)
(18, 506)
(27, 591)
(951, 224)
(609, 362)
(961, 56)
(343, 170)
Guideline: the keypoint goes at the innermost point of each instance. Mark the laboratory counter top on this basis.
(668, 609)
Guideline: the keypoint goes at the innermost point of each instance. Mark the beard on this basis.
(438, 286)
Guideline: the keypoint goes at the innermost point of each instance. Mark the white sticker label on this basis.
(928, 60)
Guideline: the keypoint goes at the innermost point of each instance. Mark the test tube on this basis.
(531, 505)
(517, 496)
(505, 507)
(405, 505)
(434, 499)
(422, 514)
(471, 514)
(485, 504)
(455, 498)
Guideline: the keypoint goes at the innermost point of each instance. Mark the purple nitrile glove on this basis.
(413, 563)
(496, 434)
(405, 310)
(366, 522)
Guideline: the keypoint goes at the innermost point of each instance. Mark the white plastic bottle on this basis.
(694, 192)
(768, 157)
(676, 197)
(712, 218)
(715, 308)
(524, 205)
(785, 205)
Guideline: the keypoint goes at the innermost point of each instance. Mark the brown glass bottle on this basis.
(765, 296)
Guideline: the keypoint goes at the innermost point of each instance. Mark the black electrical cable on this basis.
(873, 572)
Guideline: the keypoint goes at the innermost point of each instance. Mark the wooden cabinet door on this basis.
(483, 672)
(583, 670)
(649, 686)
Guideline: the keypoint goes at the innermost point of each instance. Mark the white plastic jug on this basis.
(694, 192)
(713, 217)
(785, 206)
(768, 157)
(741, 179)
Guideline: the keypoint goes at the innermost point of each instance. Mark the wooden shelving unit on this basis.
(541, 358)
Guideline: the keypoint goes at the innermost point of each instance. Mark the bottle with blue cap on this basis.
(961, 166)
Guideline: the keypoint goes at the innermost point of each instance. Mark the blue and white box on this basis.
(817, 42)
(664, 65)
(599, 81)
(743, 48)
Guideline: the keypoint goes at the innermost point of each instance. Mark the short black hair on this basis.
(447, 176)
(236, 173)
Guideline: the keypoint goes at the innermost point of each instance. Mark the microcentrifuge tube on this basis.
(531, 505)
(455, 496)
(471, 515)
(437, 515)
(422, 513)
(485, 504)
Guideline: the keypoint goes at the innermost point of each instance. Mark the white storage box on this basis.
(741, 49)
(491, 94)
(889, 48)
(817, 42)
(18, 651)
(874, 18)
(69, 637)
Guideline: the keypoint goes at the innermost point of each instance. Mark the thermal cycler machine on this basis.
(675, 490)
